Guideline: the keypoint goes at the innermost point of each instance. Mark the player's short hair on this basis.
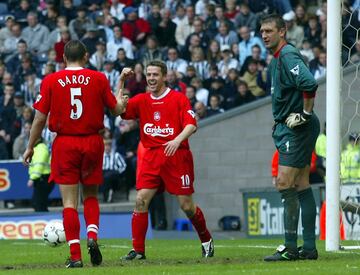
(75, 50)
(279, 21)
(160, 64)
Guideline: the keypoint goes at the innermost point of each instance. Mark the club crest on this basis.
(157, 116)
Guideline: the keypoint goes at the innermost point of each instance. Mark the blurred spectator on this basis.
(194, 42)
(246, 44)
(4, 139)
(19, 104)
(30, 87)
(243, 94)
(214, 106)
(200, 31)
(21, 141)
(116, 10)
(185, 27)
(114, 166)
(314, 63)
(6, 31)
(230, 87)
(78, 26)
(226, 36)
(134, 28)
(50, 20)
(111, 74)
(217, 88)
(200, 64)
(151, 51)
(214, 22)
(190, 74)
(294, 33)
(200, 110)
(251, 78)
(301, 16)
(213, 76)
(306, 51)
(68, 10)
(59, 46)
(200, 7)
(320, 70)
(39, 172)
(349, 164)
(255, 55)
(119, 42)
(173, 61)
(145, 9)
(10, 43)
(235, 51)
(174, 83)
(91, 37)
(137, 83)
(355, 57)
(213, 53)
(231, 9)
(165, 31)
(227, 62)
(180, 14)
(246, 18)
(191, 95)
(106, 22)
(312, 31)
(21, 12)
(48, 68)
(154, 18)
(202, 94)
(122, 61)
(36, 35)
(92, 5)
(100, 56)
(55, 34)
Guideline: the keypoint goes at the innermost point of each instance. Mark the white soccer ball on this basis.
(54, 234)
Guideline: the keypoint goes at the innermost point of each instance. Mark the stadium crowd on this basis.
(212, 49)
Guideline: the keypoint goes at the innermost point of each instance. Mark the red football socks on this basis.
(72, 232)
(198, 221)
(91, 215)
(139, 225)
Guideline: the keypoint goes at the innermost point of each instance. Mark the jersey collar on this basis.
(277, 53)
(74, 68)
(161, 96)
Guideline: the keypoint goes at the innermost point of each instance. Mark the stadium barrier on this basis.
(13, 179)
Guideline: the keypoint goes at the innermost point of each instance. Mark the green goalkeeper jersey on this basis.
(290, 77)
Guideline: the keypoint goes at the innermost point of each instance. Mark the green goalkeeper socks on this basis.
(308, 217)
(291, 204)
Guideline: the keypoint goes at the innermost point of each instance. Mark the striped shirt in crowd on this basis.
(114, 161)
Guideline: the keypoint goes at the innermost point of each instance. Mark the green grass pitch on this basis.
(240, 256)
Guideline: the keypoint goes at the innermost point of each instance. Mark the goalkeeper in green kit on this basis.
(295, 131)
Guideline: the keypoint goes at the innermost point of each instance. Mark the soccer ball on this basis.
(54, 234)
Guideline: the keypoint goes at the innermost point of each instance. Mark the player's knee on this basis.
(140, 204)
(188, 208)
(283, 182)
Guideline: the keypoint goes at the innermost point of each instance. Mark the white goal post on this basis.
(333, 103)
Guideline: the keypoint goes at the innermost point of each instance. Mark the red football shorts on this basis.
(77, 159)
(175, 174)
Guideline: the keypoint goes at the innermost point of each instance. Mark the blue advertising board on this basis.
(31, 226)
(13, 182)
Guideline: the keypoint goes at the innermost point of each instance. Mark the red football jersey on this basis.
(75, 99)
(161, 118)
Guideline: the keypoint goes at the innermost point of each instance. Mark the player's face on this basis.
(271, 35)
(155, 80)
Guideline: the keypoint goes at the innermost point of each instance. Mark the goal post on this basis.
(333, 129)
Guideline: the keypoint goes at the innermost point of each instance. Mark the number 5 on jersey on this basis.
(77, 107)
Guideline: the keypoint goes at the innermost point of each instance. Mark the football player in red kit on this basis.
(74, 99)
(166, 122)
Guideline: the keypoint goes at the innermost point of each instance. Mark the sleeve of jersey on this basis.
(299, 73)
(132, 108)
(109, 98)
(42, 103)
(188, 114)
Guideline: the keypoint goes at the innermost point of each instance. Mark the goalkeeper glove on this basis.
(297, 119)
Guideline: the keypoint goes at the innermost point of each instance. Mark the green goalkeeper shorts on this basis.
(296, 145)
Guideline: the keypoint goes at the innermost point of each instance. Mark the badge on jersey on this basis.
(38, 98)
(157, 116)
(191, 112)
(295, 70)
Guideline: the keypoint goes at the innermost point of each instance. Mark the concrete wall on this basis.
(233, 151)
